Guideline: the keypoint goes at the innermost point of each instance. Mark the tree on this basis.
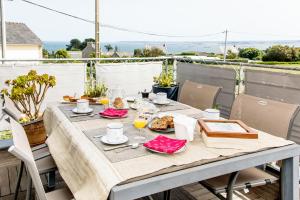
(116, 49)
(84, 43)
(61, 53)
(45, 53)
(138, 53)
(74, 45)
(250, 53)
(108, 47)
(281, 53)
(155, 52)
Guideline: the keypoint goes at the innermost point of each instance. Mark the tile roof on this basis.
(19, 33)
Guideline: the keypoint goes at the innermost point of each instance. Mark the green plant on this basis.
(165, 79)
(250, 53)
(149, 52)
(281, 53)
(28, 92)
(62, 53)
(95, 90)
(231, 55)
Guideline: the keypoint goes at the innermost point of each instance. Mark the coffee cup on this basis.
(161, 97)
(114, 131)
(82, 105)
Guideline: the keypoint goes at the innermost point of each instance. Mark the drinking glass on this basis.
(104, 101)
(140, 123)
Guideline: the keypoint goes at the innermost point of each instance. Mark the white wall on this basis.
(132, 77)
(23, 52)
(70, 78)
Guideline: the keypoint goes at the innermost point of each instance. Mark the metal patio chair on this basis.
(198, 95)
(269, 116)
(21, 149)
(42, 156)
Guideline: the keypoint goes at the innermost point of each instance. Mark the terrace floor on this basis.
(189, 192)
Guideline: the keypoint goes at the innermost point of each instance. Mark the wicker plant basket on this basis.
(35, 131)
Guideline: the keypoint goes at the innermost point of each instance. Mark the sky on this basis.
(245, 20)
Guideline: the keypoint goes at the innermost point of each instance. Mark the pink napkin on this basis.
(165, 145)
(111, 112)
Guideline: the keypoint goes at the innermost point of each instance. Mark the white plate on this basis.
(86, 112)
(130, 99)
(106, 140)
(178, 151)
(161, 103)
(133, 106)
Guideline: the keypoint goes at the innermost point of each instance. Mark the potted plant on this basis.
(27, 92)
(94, 90)
(165, 83)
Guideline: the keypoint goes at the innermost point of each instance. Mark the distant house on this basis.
(75, 54)
(21, 42)
(88, 50)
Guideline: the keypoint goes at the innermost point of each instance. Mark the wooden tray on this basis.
(247, 134)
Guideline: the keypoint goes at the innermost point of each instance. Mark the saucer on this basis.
(121, 140)
(161, 103)
(89, 110)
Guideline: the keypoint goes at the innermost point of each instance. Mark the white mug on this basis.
(184, 128)
(114, 131)
(82, 105)
(161, 97)
(212, 114)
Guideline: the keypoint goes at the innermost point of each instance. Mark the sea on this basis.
(178, 47)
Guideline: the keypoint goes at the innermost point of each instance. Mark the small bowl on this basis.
(72, 99)
(66, 98)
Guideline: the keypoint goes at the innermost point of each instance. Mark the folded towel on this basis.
(111, 112)
(165, 145)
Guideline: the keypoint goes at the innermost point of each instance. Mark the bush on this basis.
(62, 53)
(146, 52)
(281, 53)
(231, 55)
(250, 53)
(188, 53)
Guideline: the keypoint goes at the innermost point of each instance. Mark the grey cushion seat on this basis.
(247, 178)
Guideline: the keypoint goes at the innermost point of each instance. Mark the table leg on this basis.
(290, 178)
(19, 181)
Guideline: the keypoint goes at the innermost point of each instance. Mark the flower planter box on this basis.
(172, 92)
(35, 131)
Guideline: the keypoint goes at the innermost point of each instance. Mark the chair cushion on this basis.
(253, 176)
(59, 194)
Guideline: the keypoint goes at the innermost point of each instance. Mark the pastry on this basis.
(118, 103)
(163, 123)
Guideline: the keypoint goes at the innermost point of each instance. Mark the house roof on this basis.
(19, 33)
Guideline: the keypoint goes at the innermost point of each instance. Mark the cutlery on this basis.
(132, 146)
(83, 115)
(118, 147)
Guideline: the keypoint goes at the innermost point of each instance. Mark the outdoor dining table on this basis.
(90, 173)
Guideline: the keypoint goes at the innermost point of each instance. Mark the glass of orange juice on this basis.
(140, 123)
(104, 101)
